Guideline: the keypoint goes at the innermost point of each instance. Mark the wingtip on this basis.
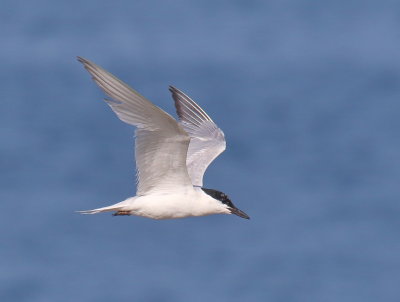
(178, 105)
(80, 59)
(172, 89)
(86, 63)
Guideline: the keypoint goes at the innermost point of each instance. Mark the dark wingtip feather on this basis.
(178, 106)
(86, 63)
(82, 60)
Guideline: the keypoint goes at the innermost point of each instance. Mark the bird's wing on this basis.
(161, 143)
(207, 140)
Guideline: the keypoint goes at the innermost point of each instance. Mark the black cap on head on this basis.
(223, 198)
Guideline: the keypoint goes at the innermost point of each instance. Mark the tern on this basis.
(171, 156)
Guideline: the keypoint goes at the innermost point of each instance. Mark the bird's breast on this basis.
(170, 206)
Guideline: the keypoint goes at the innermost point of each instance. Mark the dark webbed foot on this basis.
(122, 213)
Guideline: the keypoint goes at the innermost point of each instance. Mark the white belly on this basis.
(169, 206)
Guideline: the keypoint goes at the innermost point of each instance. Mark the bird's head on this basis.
(224, 199)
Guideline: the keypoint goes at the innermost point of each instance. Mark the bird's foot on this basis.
(122, 213)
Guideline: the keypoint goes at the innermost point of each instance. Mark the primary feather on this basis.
(161, 143)
(207, 140)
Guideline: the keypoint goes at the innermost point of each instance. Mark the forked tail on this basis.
(112, 208)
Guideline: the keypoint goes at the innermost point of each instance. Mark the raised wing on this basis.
(207, 140)
(161, 143)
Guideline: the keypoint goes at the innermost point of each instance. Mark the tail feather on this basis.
(100, 210)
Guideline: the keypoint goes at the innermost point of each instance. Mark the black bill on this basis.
(239, 213)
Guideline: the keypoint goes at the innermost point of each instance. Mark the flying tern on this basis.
(171, 156)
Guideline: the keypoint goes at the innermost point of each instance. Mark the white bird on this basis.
(171, 156)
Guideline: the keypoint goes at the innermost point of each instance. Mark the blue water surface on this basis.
(308, 95)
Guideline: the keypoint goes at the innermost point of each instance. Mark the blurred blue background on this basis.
(307, 93)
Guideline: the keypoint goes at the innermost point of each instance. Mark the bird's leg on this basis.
(122, 213)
